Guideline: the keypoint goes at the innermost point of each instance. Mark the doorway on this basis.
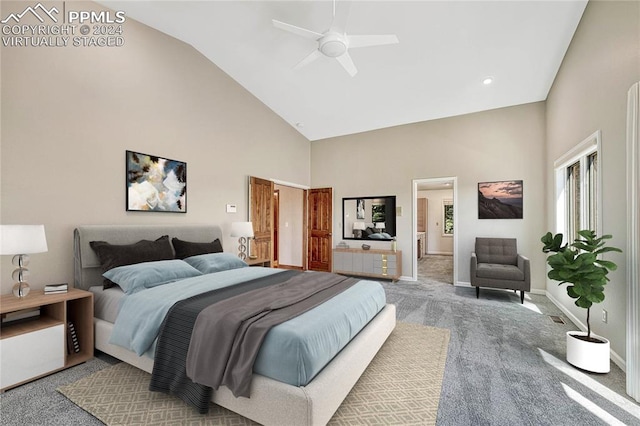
(434, 226)
(292, 224)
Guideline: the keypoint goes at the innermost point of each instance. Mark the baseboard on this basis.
(442, 253)
(617, 359)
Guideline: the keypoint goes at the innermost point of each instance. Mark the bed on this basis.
(311, 404)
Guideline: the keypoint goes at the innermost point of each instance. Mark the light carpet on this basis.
(401, 386)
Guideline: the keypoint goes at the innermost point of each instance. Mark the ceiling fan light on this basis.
(332, 45)
(333, 49)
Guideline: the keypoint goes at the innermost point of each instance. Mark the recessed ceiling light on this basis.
(487, 81)
(300, 124)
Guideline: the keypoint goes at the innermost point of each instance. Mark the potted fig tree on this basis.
(578, 265)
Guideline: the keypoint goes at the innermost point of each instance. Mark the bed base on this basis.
(281, 404)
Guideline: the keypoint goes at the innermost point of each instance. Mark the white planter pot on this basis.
(588, 356)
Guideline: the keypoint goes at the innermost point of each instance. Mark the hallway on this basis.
(436, 268)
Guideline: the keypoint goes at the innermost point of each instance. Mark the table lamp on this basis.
(380, 226)
(22, 240)
(243, 230)
(358, 227)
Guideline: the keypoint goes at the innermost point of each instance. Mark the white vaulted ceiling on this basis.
(446, 49)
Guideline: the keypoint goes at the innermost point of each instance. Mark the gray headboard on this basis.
(87, 271)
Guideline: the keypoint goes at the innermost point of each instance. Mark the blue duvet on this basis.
(293, 352)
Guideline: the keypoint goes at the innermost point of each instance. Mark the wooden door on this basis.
(422, 215)
(423, 224)
(261, 216)
(319, 229)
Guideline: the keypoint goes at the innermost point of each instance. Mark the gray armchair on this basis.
(497, 264)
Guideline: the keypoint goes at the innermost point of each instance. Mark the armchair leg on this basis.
(477, 292)
(522, 297)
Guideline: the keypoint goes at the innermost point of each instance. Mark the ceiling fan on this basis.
(335, 43)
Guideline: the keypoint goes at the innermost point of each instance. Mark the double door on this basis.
(318, 219)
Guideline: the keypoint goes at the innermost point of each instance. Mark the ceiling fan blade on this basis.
(296, 30)
(340, 16)
(371, 40)
(347, 63)
(308, 59)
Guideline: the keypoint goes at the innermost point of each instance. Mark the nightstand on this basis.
(258, 262)
(37, 346)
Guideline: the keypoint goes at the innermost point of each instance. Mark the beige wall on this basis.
(69, 114)
(589, 94)
(437, 243)
(502, 144)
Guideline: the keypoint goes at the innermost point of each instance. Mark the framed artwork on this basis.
(500, 200)
(156, 184)
(360, 208)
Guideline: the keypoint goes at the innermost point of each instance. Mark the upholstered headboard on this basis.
(87, 271)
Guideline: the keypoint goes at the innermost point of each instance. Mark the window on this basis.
(592, 182)
(577, 188)
(447, 217)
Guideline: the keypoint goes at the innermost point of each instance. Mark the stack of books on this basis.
(73, 345)
(56, 288)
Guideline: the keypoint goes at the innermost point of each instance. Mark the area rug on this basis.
(401, 386)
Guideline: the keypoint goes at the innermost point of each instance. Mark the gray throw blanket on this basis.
(227, 336)
(169, 368)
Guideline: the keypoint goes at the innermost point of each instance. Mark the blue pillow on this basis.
(133, 278)
(215, 262)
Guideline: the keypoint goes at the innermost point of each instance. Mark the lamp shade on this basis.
(380, 225)
(358, 225)
(22, 239)
(241, 229)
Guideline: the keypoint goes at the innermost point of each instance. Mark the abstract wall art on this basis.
(156, 184)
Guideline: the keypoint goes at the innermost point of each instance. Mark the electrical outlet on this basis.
(604, 316)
